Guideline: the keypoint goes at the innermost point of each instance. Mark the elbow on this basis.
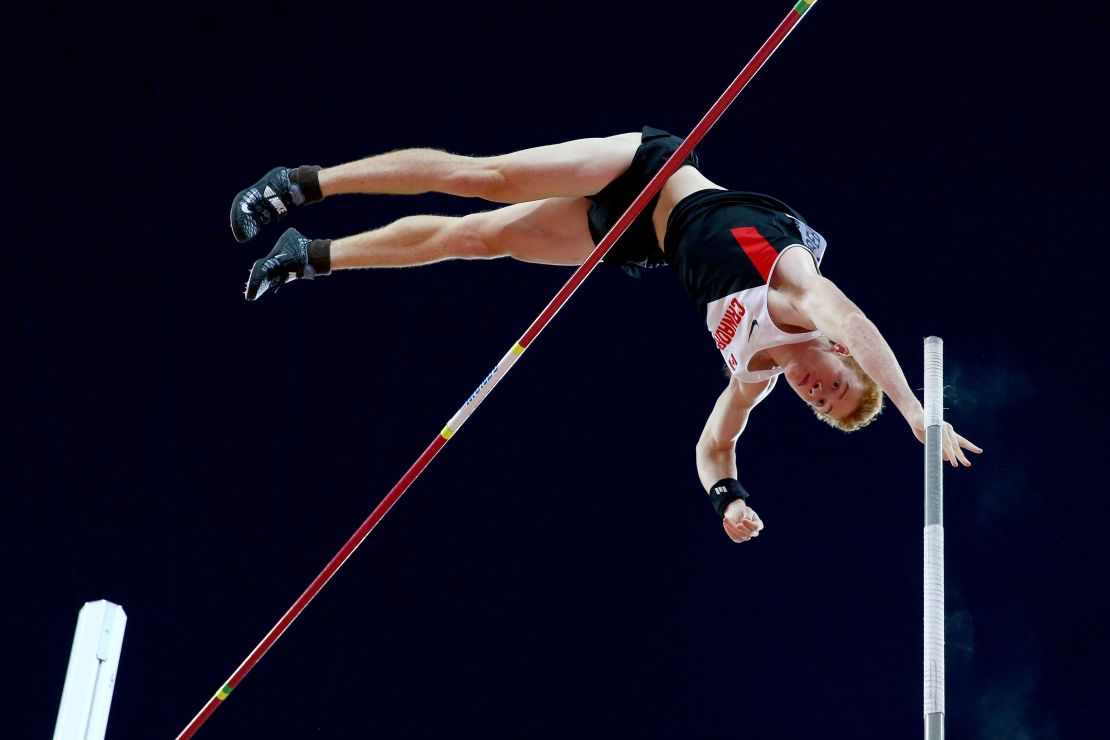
(701, 448)
(709, 448)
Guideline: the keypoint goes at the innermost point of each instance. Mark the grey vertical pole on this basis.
(934, 540)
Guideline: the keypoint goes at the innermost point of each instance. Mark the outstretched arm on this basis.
(839, 319)
(716, 451)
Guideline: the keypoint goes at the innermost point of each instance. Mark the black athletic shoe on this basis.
(288, 260)
(267, 201)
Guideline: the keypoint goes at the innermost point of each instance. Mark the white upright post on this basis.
(934, 540)
(91, 676)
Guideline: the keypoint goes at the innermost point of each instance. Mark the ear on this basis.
(840, 349)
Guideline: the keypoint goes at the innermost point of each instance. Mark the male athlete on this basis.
(748, 260)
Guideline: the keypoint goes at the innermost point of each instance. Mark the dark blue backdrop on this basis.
(556, 572)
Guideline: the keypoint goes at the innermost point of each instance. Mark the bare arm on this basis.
(716, 451)
(839, 319)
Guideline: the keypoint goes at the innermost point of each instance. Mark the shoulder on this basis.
(793, 284)
(796, 270)
(799, 291)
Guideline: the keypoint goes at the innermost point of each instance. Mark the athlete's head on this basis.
(833, 384)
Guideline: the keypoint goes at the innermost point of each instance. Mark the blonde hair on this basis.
(870, 403)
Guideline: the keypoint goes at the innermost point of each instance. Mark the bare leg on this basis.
(546, 223)
(574, 168)
(551, 231)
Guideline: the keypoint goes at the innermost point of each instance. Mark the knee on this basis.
(473, 237)
(481, 178)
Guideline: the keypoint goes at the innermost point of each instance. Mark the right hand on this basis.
(741, 523)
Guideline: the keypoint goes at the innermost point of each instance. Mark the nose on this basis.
(815, 396)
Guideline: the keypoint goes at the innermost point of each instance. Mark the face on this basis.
(822, 379)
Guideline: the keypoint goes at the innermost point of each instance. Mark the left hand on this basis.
(952, 445)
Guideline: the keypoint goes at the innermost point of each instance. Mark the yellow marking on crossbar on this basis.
(447, 432)
(223, 693)
(517, 349)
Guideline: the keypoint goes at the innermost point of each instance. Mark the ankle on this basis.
(319, 256)
(307, 178)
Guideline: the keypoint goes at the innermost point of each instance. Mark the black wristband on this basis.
(724, 492)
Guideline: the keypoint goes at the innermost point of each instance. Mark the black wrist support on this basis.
(724, 492)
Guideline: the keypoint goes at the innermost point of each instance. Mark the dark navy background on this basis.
(556, 572)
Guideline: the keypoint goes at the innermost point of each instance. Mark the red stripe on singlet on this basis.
(758, 249)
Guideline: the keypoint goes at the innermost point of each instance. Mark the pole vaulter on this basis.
(490, 382)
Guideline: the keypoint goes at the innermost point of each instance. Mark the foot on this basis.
(267, 201)
(288, 260)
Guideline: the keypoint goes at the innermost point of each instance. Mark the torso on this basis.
(781, 300)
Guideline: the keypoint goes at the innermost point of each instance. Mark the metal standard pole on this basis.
(654, 186)
(91, 676)
(934, 540)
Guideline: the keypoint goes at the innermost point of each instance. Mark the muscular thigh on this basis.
(573, 168)
(549, 232)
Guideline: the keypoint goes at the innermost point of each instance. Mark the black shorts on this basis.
(637, 247)
(720, 242)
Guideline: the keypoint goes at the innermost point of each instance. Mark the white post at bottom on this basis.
(934, 540)
(91, 676)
